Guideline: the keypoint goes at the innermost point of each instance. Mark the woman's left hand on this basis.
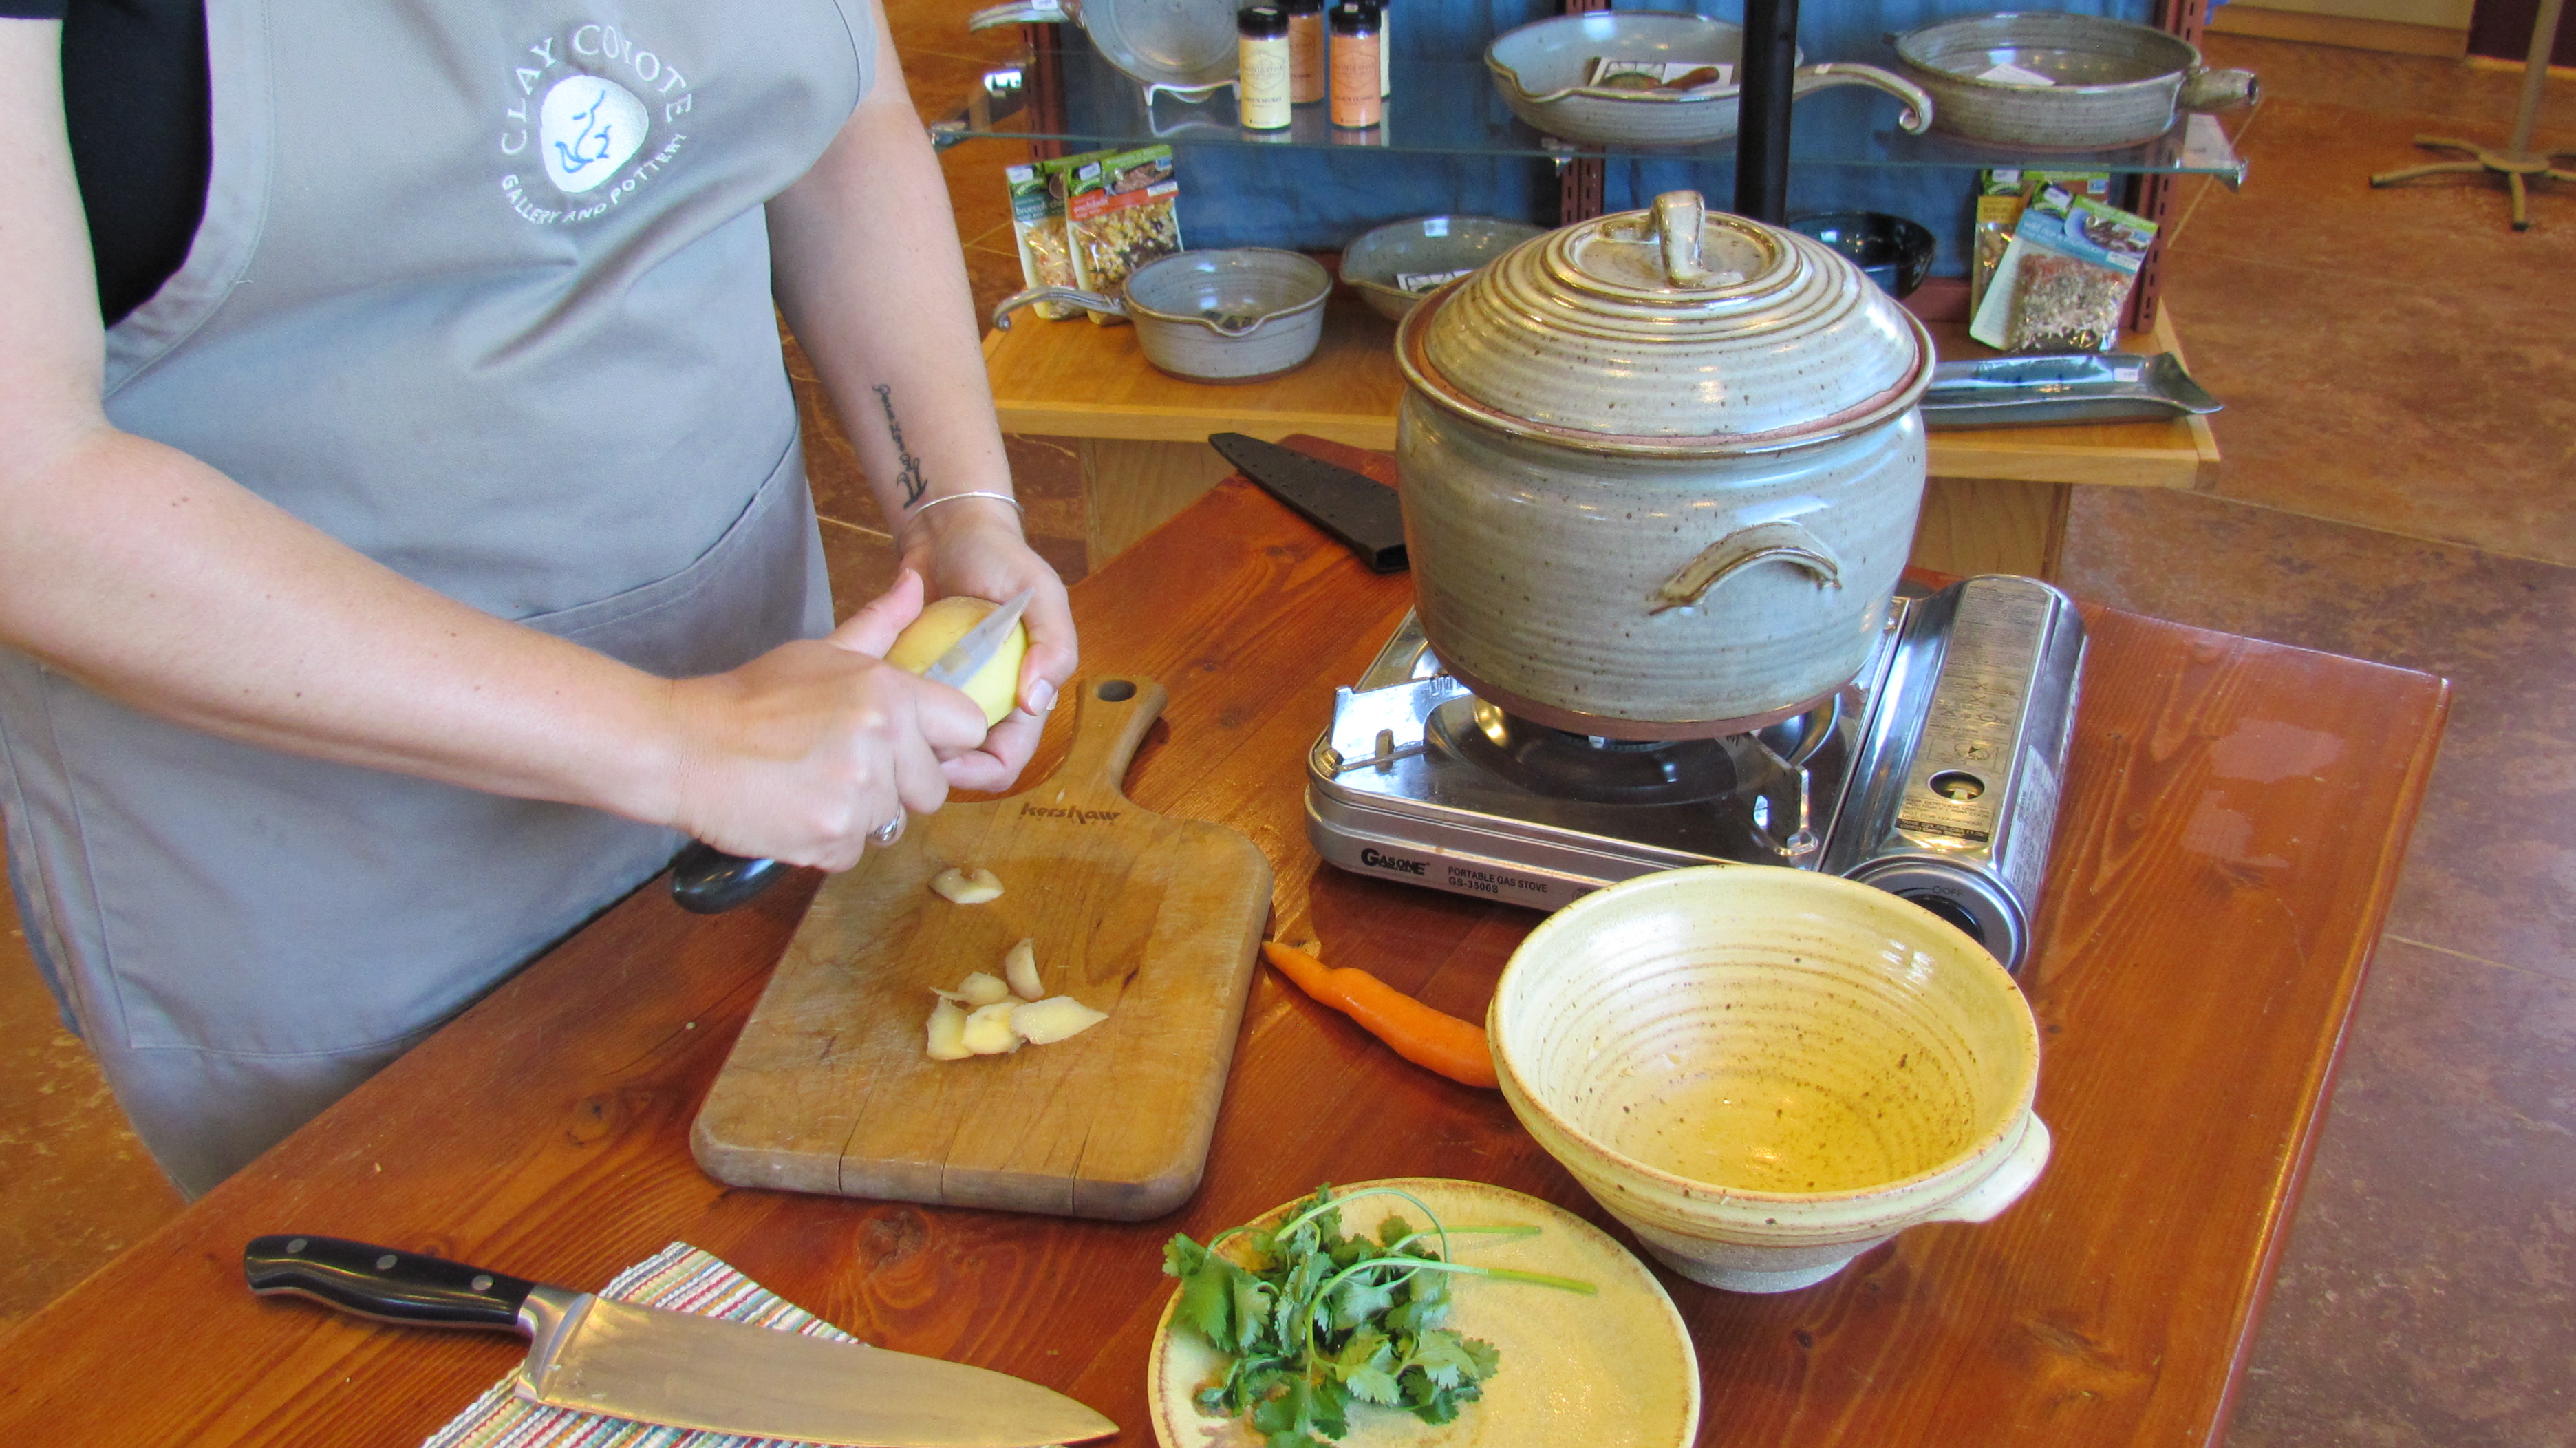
(975, 546)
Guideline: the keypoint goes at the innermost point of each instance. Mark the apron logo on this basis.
(581, 109)
(589, 128)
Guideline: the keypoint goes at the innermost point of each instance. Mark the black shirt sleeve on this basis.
(135, 97)
(32, 9)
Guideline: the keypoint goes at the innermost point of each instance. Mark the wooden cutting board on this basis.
(1152, 919)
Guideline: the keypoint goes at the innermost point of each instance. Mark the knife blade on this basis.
(707, 881)
(676, 1369)
(1362, 512)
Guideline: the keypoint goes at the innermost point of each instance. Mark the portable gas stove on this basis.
(1933, 775)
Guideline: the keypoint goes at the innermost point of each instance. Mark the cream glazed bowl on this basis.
(1766, 1072)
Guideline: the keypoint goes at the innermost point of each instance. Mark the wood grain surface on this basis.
(1152, 919)
(2235, 815)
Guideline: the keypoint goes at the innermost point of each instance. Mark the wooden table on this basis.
(1997, 503)
(2235, 815)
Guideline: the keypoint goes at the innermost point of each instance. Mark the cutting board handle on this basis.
(1111, 714)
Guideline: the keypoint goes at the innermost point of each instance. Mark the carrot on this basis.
(1430, 1039)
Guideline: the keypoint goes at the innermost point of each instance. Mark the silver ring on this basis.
(891, 830)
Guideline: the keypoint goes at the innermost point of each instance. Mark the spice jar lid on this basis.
(1259, 22)
(1675, 330)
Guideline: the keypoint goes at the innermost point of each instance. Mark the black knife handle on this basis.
(707, 881)
(379, 1282)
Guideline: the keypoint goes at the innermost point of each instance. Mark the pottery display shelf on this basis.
(1997, 501)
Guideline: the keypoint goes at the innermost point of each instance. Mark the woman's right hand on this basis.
(798, 754)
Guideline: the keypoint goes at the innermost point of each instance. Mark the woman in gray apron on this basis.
(345, 582)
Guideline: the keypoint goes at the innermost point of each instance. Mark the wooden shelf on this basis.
(1998, 493)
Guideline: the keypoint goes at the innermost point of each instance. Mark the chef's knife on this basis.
(678, 1369)
(708, 881)
(1357, 509)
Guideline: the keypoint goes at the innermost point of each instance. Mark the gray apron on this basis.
(482, 290)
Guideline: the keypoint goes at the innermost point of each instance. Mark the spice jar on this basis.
(1356, 101)
(1262, 67)
(1305, 50)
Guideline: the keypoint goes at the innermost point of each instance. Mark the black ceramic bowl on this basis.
(1895, 252)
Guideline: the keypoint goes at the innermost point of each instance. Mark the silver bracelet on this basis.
(953, 497)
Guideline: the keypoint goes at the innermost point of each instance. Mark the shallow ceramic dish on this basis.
(2112, 83)
(1543, 69)
(1613, 1368)
(1766, 1072)
(1240, 314)
(1186, 48)
(1426, 244)
(1890, 250)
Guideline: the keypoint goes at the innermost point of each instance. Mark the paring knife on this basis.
(708, 881)
(677, 1369)
(1357, 509)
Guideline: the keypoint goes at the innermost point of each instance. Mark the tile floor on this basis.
(2400, 484)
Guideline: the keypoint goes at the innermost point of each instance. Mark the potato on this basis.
(971, 886)
(1043, 1023)
(995, 686)
(988, 1031)
(1020, 968)
(948, 1031)
(983, 988)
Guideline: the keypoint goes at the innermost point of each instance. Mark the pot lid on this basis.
(1676, 330)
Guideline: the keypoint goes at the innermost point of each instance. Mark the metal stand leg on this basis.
(2516, 162)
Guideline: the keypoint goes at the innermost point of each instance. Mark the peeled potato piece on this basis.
(1020, 968)
(981, 989)
(967, 887)
(948, 1031)
(1043, 1023)
(989, 1032)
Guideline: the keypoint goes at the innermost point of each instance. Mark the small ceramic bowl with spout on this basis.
(1766, 1072)
(1239, 314)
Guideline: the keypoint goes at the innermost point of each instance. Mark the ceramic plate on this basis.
(1615, 1368)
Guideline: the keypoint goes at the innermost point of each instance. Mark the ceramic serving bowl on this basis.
(1544, 70)
(1766, 1072)
(1242, 314)
(2107, 82)
(1890, 250)
(1424, 246)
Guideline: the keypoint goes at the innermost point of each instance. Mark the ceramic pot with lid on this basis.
(1660, 472)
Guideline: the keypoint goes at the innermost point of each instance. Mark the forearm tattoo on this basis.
(914, 484)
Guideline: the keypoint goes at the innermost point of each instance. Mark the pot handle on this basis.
(1762, 543)
(1023, 12)
(2220, 90)
(1918, 104)
(1679, 217)
(1088, 301)
(2004, 1185)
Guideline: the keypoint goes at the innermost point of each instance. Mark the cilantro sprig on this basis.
(1313, 1320)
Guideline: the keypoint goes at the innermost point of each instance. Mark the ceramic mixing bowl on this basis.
(1424, 246)
(1766, 1072)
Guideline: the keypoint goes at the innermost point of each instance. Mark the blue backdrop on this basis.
(1235, 195)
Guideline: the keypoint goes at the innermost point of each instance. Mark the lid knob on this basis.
(1678, 220)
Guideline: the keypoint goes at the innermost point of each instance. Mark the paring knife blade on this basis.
(1359, 510)
(707, 881)
(677, 1369)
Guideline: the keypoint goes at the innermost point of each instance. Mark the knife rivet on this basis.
(385, 1263)
(295, 1245)
(482, 1282)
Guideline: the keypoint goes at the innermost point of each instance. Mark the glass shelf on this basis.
(1452, 108)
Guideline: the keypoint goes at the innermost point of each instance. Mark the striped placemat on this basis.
(679, 1277)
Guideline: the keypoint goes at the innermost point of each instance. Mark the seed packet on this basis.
(2066, 277)
(1121, 211)
(1037, 223)
(2001, 194)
